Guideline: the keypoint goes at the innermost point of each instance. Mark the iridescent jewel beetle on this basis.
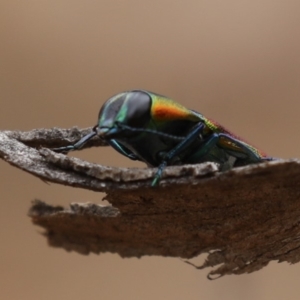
(145, 126)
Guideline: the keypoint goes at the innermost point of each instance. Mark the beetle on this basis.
(148, 127)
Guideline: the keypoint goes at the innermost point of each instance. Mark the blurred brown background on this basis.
(235, 61)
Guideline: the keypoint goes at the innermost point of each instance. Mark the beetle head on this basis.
(131, 109)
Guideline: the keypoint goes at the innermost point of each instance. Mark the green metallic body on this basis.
(158, 131)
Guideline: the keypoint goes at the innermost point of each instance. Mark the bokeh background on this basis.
(235, 61)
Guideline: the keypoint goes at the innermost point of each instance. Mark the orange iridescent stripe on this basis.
(164, 109)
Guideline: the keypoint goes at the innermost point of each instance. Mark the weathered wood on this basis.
(243, 218)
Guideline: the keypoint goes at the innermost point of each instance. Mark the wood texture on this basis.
(242, 219)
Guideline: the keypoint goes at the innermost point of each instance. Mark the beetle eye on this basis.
(138, 108)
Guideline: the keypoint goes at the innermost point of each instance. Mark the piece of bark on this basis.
(243, 218)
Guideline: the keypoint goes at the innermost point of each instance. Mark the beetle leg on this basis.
(177, 149)
(214, 140)
(77, 145)
(206, 148)
(245, 148)
(122, 149)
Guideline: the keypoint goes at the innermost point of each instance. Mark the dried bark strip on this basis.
(243, 218)
(53, 137)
